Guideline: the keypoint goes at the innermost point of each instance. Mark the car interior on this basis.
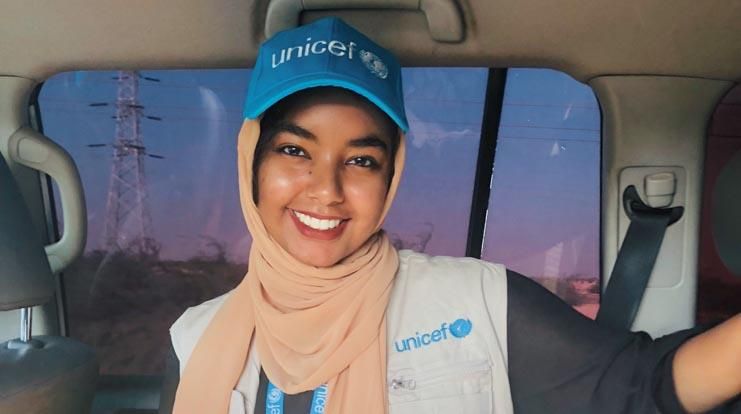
(665, 77)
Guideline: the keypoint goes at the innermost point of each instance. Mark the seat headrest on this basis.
(25, 276)
(726, 215)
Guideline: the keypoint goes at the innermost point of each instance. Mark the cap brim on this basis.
(314, 80)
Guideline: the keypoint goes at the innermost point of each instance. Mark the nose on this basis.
(325, 184)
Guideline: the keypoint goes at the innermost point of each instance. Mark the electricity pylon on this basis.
(128, 223)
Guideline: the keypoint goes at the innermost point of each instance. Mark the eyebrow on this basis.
(371, 140)
(295, 130)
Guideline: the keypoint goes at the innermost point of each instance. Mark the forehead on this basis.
(336, 108)
(309, 98)
(337, 126)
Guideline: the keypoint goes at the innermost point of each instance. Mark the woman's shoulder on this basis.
(448, 277)
(188, 328)
(422, 265)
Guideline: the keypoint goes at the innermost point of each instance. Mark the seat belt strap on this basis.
(635, 261)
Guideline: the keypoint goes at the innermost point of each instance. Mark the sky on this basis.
(543, 217)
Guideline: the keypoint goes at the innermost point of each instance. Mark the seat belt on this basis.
(635, 261)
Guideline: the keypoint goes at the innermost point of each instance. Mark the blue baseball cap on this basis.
(328, 52)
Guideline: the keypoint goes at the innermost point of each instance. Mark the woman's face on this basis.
(323, 180)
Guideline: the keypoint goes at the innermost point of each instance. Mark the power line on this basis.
(550, 127)
(554, 140)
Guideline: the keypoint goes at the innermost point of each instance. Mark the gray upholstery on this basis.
(25, 276)
(58, 378)
(586, 39)
(726, 215)
(443, 17)
(48, 374)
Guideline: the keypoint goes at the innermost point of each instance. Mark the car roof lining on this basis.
(585, 38)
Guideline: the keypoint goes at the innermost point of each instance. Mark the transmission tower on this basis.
(128, 223)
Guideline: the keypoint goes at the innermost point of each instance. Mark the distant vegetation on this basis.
(124, 304)
(581, 292)
(417, 242)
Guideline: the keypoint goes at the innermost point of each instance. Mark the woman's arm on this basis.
(707, 368)
(563, 362)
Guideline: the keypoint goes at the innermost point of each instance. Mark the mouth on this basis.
(318, 227)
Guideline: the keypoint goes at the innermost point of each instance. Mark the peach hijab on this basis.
(311, 325)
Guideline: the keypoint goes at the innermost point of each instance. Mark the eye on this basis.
(365, 162)
(292, 150)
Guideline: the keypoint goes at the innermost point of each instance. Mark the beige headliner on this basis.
(585, 38)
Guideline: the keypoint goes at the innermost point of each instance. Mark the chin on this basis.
(316, 259)
(327, 263)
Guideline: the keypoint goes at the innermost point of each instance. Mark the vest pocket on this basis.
(449, 387)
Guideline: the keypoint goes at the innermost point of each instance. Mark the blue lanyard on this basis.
(275, 398)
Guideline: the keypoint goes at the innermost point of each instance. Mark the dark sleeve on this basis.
(170, 382)
(563, 362)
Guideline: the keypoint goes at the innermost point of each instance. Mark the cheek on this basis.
(368, 198)
(276, 186)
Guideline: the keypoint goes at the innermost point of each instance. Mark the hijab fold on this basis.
(310, 325)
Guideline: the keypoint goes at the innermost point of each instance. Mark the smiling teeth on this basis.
(315, 223)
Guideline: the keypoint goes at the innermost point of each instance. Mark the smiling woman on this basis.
(322, 169)
(314, 300)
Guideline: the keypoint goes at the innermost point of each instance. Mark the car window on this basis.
(155, 151)
(544, 208)
(718, 289)
(156, 154)
(445, 108)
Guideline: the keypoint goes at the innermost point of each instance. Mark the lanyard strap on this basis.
(275, 398)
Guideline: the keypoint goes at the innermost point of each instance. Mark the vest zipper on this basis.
(408, 383)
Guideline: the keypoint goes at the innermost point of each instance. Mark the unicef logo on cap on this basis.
(461, 328)
(374, 64)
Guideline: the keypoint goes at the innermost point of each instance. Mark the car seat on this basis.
(45, 374)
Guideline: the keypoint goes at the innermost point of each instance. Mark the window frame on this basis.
(480, 194)
(494, 98)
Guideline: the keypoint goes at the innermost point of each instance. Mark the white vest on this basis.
(447, 339)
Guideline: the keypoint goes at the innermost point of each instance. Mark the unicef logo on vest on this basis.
(459, 329)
